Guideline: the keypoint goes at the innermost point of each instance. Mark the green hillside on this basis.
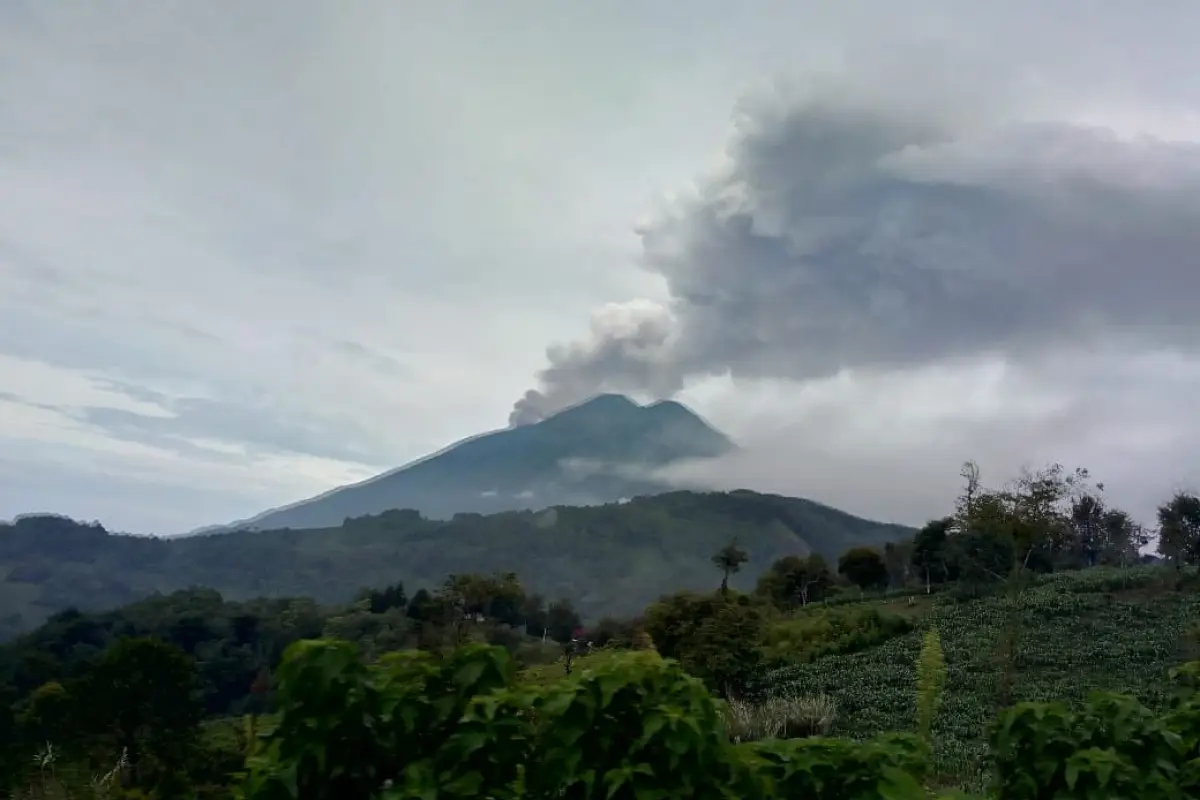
(610, 559)
(1100, 629)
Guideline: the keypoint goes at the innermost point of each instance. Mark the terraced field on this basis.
(1096, 630)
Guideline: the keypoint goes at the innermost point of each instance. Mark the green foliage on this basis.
(889, 767)
(1113, 747)
(1103, 629)
(931, 681)
(819, 632)
(143, 695)
(794, 581)
(929, 551)
(729, 560)
(714, 637)
(638, 726)
(864, 567)
(1179, 529)
(423, 723)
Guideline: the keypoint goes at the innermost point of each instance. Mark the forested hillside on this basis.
(609, 559)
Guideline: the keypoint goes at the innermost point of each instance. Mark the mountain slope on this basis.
(595, 452)
(610, 559)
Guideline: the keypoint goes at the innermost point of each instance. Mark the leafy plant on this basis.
(931, 680)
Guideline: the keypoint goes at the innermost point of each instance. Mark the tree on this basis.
(971, 487)
(498, 597)
(1123, 539)
(1088, 528)
(929, 550)
(48, 715)
(142, 695)
(1179, 529)
(729, 560)
(1032, 513)
(421, 606)
(715, 637)
(795, 580)
(533, 612)
(863, 567)
(562, 620)
(896, 557)
(978, 558)
(381, 600)
(1030, 519)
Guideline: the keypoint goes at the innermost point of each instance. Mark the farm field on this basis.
(1080, 632)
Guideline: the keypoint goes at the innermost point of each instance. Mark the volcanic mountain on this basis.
(600, 451)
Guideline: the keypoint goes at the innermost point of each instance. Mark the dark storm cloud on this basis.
(867, 235)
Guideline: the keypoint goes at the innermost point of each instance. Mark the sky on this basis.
(249, 252)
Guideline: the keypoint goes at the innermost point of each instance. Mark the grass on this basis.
(789, 717)
(544, 674)
(1080, 632)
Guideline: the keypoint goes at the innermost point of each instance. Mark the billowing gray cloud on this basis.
(849, 233)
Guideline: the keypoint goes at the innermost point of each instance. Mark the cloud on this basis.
(847, 232)
(887, 445)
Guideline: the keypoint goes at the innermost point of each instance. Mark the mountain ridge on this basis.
(609, 559)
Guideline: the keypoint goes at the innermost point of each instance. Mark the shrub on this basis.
(820, 632)
(1113, 747)
(637, 725)
(714, 637)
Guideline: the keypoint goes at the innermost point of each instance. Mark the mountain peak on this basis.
(598, 404)
(583, 455)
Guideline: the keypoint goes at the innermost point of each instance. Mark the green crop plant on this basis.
(461, 725)
(931, 681)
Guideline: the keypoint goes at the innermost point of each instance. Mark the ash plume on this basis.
(853, 230)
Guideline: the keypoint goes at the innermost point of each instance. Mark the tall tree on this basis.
(729, 560)
(562, 620)
(864, 568)
(381, 600)
(971, 488)
(929, 550)
(1179, 529)
(533, 612)
(795, 581)
(1123, 538)
(1088, 529)
(896, 556)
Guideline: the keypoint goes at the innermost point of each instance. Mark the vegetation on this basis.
(1015, 649)
(610, 559)
(462, 726)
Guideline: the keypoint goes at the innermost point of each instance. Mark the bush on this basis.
(820, 632)
(714, 637)
(417, 725)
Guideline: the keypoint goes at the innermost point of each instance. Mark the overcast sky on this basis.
(250, 251)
